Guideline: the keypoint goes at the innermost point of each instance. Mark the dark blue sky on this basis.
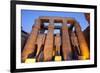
(28, 17)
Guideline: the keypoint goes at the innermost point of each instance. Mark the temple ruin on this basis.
(46, 44)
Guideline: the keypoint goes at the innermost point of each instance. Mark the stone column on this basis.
(66, 46)
(30, 44)
(75, 46)
(74, 39)
(39, 42)
(82, 42)
(48, 47)
(57, 43)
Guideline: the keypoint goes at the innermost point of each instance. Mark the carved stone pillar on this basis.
(40, 42)
(74, 39)
(82, 42)
(30, 44)
(48, 48)
(57, 43)
(66, 46)
(75, 46)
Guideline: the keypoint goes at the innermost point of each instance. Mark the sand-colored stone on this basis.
(82, 42)
(57, 43)
(49, 41)
(39, 43)
(30, 44)
(48, 48)
(66, 46)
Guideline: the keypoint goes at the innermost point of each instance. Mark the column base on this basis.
(83, 58)
(58, 58)
(30, 60)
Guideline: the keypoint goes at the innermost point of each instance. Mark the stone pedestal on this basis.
(58, 58)
(30, 60)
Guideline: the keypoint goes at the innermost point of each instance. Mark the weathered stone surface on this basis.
(51, 44)
(66, 47)
(48, 48)
(82, 42)
(40, 42)
(57, 43)
(75, 46)
(30, 44)
(74, 39)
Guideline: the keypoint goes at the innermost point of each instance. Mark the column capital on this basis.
(37, 21)
(64, 27)
(51, 21)
(58, 39)
(37, 24)
(77, 26)
(50, 26)
(70, 21)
